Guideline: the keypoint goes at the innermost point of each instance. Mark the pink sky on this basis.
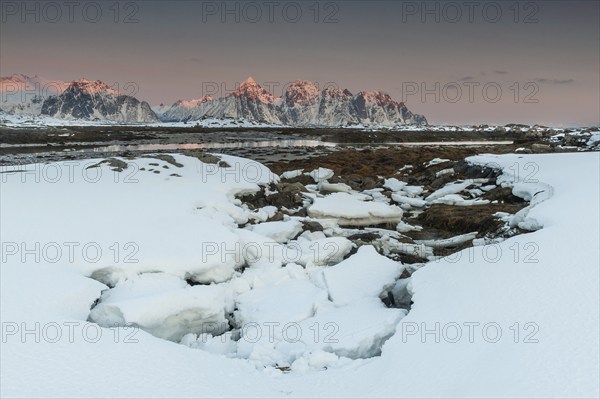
(176, 51)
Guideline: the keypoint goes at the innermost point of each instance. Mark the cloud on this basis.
(554, 81)
(498, 72)
(196, 60)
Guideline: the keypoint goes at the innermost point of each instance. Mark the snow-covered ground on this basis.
(36, 120)
(518, 318)
(33, 120)
(15, 120)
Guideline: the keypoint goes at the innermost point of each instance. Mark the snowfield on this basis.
(161, 239)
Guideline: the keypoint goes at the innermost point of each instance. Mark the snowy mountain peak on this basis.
(334, 92)
(301, 92)
(251, 90)
(92, 87)
(376, 97)
(250, 81)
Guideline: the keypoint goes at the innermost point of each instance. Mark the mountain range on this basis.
(302, 104)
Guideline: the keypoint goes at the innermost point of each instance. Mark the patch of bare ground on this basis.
(366, 169)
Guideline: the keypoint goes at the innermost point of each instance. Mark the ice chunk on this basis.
(443, 172)
(320, 252)
(594, 139)
(164, 306)
(414, 202)
(326, 187)
(436, 161)
(281, 231)
(413, 191)
(255, 249)
(455, 199)
(405, 227)
(263, 214)
(394, 184)
(377, 195)
(321, 174)
(290, 174)
(394, 246)
(450, 188)
(353, 210)
(448, 242)
(365, 274)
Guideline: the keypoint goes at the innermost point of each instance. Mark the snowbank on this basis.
(539, 290)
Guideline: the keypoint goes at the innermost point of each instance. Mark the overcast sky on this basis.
(535, 63)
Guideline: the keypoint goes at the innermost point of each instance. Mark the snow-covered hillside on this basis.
(182, 110)
(515, 318)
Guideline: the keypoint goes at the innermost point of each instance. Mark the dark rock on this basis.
(465, 219)
(442, 181)
(302, 179)
(276, 218)
(356, 182)
(312, 226)
(291, 187)
(502, 195)
(470, 171)
(364, 237)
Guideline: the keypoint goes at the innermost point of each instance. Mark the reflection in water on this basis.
(278, 143)
(239, 144)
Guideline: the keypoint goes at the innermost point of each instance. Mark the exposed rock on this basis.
(366, 237)
(203, 156)
(289, 199)
(276, 218)
(286, 187)
(540, 148)
(502, 195)
(356, 182)
(464, 219)
(94, 100)
(312, 226)
(116, 165)
(470, 171)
